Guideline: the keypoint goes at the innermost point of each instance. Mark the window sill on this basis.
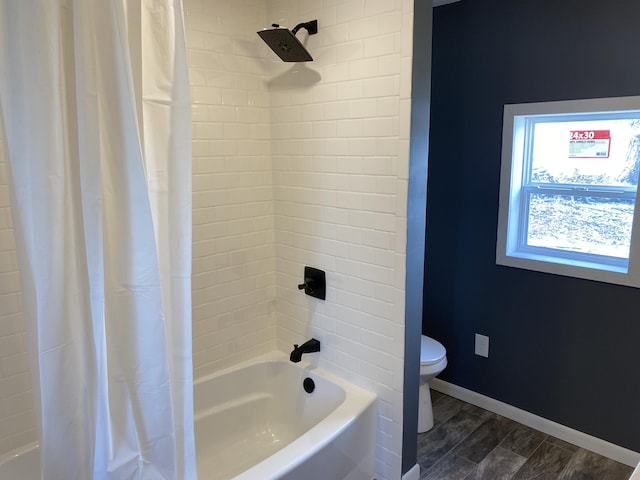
(569, 268)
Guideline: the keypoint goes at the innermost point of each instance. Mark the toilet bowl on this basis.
(433, 359)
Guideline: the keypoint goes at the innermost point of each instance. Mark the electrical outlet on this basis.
(482, 345)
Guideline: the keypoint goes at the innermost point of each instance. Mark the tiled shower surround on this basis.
(294, 164)
(303, 164)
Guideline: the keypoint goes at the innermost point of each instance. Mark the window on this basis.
(568, 189)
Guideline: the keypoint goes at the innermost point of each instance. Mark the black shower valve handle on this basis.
(315, 283)
(306, 285)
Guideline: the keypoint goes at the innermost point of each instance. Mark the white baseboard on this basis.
(588, 442)
(413, 474)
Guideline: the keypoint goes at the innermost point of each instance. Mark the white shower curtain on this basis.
(95, 106)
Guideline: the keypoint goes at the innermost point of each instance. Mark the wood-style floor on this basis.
(469, 443)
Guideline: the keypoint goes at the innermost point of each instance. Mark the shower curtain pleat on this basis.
(95, 105)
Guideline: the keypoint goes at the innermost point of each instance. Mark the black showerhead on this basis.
(285, 44)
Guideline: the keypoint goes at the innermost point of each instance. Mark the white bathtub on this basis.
(256, 422)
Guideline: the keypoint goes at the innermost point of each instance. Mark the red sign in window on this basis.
(589, 143)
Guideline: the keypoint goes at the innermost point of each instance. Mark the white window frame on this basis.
(509, 249)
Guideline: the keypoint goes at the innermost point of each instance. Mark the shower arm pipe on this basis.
(312, 27)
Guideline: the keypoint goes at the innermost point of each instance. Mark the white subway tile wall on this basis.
(233, 230)
(340, 135)
(17, 421)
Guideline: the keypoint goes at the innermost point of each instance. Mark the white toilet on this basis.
(433, 359)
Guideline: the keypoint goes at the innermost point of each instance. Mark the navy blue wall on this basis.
(563, 348)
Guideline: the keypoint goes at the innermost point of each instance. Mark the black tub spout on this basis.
(309, 346)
